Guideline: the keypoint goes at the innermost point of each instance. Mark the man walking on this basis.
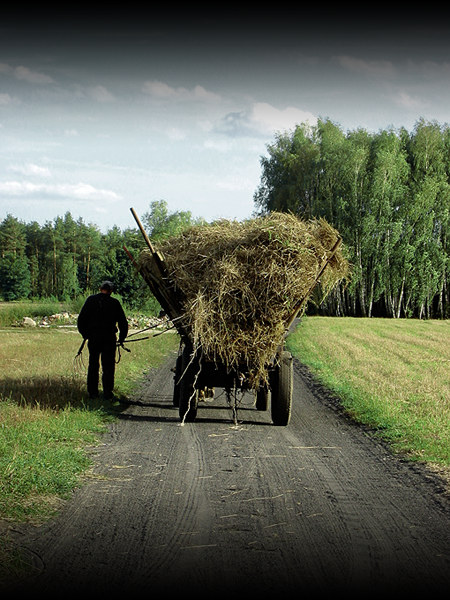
(99, 319)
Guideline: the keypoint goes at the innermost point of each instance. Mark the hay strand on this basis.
(241, 281)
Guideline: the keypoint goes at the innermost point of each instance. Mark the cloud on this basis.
(235, 124)
(404, 100)
(176, 135)
(429, 69)
(218, 145)
(30, 169)
(79, 191)
(25, 74)
(5, 99)
(237, 183)
(269, 118)
(369, 68)
(163, 91)
(100, 94)
(263, 119)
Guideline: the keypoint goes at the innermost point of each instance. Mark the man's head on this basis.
(107, 287)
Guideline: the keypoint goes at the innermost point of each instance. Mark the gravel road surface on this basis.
(219, 506)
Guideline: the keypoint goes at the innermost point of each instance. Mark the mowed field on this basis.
(391, 374)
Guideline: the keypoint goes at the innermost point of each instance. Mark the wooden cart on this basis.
(195, 375)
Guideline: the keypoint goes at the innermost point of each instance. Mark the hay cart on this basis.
(195, 375)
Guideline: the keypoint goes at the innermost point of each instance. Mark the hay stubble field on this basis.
(392, 375)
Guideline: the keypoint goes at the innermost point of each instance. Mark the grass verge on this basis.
(47, 423)
(13, 312)
(390, 374)
(46, 419)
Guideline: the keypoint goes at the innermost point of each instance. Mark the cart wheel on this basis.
(188, 395)
(282, 385)
(262, 398)
(176, 382)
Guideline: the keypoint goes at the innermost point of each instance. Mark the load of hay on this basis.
(241, 282)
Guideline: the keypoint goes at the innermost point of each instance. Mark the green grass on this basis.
(12, 313)
(42, 455)
(392, 375)
(46, 419)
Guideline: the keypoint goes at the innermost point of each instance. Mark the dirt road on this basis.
(212, 506)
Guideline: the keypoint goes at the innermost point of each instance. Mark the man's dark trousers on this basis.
(104, 349)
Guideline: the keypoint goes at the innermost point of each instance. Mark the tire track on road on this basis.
(319, 505)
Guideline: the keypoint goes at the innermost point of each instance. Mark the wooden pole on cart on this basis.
(322, 269)
(156, 255)
(157, 278)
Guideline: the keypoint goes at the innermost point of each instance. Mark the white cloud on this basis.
(218, 145)
(163, 91)
(31, 169)
(263, 119)
(200, 93)
(370, 68)
(270, 119)
(79, 191)
(100, 94)
(158, 89)
(5, 99)
(430, 69)
(237, 183)
(176, 134)
(404, 100)
(25, 74)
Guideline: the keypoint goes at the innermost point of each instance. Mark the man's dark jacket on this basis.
(99, 317)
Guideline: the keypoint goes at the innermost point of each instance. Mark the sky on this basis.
(100, 112)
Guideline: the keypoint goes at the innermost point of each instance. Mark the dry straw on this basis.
(240, 282)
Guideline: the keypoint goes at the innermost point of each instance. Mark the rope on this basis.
(120, 345)
(195, 391)
(78, 360)
(146, 329)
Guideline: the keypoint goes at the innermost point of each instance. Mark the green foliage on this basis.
(160, 224)
(15, 276)
(68, 259)
(388, 194)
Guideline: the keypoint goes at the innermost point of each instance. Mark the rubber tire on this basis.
(282, 387)
(188, 395)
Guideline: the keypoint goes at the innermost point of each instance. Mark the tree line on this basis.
(66, 258)
(388, 194)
